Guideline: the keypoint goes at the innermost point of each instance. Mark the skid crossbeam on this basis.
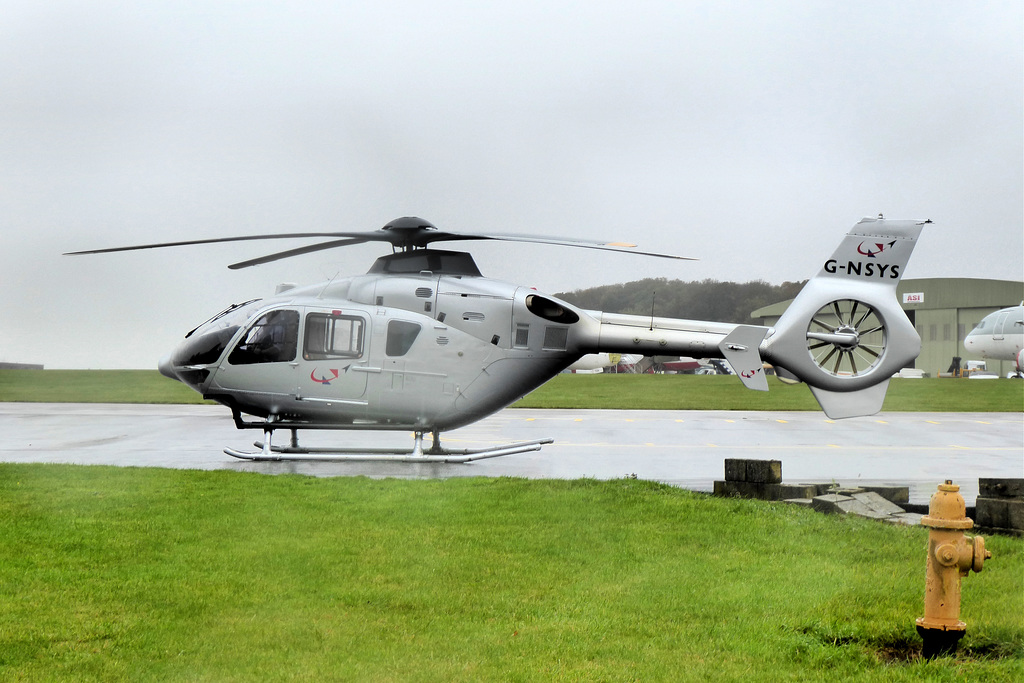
(435, 454)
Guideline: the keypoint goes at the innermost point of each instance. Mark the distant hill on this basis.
(730, 302)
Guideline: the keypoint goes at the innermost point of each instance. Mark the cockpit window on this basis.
(401, 335)
(204, 349)
(205, 344)
(227, 311)
(271, 339)
(333, 336)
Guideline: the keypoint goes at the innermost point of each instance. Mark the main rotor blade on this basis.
(403, 233)
(622, 247)
(364, 236)
(296, 252)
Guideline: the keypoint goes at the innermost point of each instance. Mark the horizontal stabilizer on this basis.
(840, 404)
(740, 348)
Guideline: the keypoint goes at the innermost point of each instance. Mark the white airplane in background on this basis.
(595, 362)
(1000, 336)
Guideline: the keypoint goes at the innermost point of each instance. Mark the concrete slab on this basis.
(877, 503)
(893, 493)
(830, 503)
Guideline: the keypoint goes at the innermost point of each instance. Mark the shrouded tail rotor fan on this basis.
(846, 338)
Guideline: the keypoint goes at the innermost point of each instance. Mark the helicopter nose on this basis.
(166, 368)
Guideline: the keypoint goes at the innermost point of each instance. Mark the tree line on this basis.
(730, 302)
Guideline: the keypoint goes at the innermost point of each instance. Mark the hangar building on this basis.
(943, 310)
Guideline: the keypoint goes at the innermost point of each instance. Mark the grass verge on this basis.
(93, 386)
(647, 392)
(145, 574)
(719, 392)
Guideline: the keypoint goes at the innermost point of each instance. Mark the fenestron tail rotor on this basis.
(846, 338)
(403, 234)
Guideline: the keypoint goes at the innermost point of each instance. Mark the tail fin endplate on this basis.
(741, 348)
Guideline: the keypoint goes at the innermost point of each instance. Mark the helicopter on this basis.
(424, 342)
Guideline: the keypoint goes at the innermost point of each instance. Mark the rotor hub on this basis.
(409, 224)
(854, 338)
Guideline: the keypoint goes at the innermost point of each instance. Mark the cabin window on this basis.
(333, 336)
(271, 339)
(401, 335)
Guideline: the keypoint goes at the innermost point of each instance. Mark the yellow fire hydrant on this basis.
(951, 555)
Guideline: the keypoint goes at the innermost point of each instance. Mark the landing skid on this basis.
(436, 454)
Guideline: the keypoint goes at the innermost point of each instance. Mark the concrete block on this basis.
(747, 489)
(829, 503)
(770, 491)
(802, 502)
(820, 488)
(756, 471)
(846, 490)
(1000, 513)
(735, 489)
(991, 512)
(1015, 514)
(735, 469)
(790, 491)
(764, 471)
(893, 494)
(1001, 488)
(877, 503)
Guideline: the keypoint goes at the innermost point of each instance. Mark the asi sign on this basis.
(913, 298)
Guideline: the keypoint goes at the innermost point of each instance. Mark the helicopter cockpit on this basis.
(205, 344)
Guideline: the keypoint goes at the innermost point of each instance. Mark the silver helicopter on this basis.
(423, 342)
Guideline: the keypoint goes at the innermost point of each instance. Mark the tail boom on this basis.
(844, 335)
(738, 344)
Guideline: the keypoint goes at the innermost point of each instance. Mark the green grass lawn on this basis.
(145, 574)
(720, 392)
(93, 386)
(657, 392)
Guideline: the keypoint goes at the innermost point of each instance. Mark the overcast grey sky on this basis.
(750, 135)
